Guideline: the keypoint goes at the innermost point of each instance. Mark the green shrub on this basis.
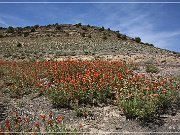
(84, 28)
(152, 69)
(89, 36)
(33, 30)
(118, 35)
(104, 37)
(1, 36)
(124, 36)
(135, 107)
(78, 25)
(83, 34)
(101, 29)
(81, 111)
(138, 39)
(142, 100)
(25, 34)
(27, 27)
(149, 44)
(58, 27)
(10, 29)
(19, 44)
(19, 28)
(36, 26)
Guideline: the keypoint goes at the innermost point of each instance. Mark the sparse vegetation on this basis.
(58, 27)
(36, 26)
(124, 36)
(1, 36)
(118, 35)
(10, 29)
(89, 36)
(19, 44)
(138, 39)
(150, 68)
(83, 34)
(104, 37)
(84, 28)
(33, 30)
(149, 44)
(101, 29)
(78, 25)
(25, 34)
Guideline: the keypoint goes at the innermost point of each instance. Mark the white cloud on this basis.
(135, 20)
(9, 20)
(2, 22)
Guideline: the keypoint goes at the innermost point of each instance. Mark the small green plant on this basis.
(134, 106)
(78, 25)
(2, 73)
(143, 99)
(84, 28)
(138, 39)
(124, 37)
(19, 44)
(36, 26)
(150, 68)
(10, 29)
(1, 36)
(89, 36)
(151, 45)
(101, 29)
(33, 29)
(83, 34)
(104, 37)
(59, 97)
(118, 35)
(86, 52)
(66, 34)
(81, 111)
(163, 61)
(58, 27)
(25, 34)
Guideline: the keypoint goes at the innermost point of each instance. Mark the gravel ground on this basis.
(104, 118)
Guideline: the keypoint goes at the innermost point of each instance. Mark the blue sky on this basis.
(153, 23)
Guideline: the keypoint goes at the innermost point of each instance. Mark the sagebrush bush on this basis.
(19, 44)
(138, 39)
(10, 29)
(101, 29)
(124, 37)
(78, 25)
(104, 37)
(150, 68)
